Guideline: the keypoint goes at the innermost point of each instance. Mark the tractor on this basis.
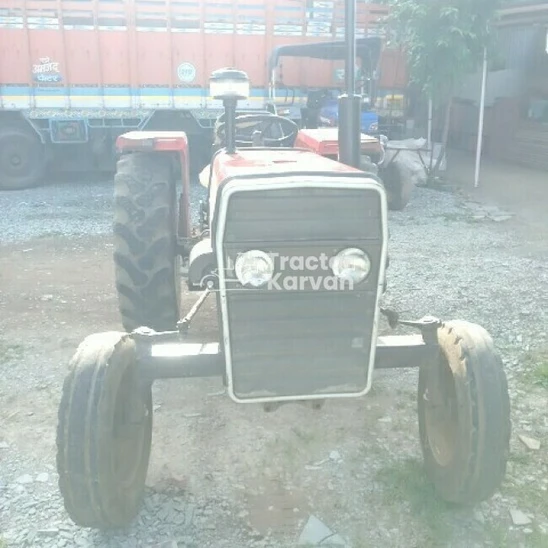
(323, 110)
(293, 246)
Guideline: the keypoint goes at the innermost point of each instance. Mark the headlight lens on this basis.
(254, 268)
(352, 265)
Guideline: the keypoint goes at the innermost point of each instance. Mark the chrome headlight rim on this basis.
(338, 268)
(258, 255)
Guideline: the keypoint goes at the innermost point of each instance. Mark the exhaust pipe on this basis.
(349, 102)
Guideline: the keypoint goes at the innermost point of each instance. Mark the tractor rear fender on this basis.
(164, 141)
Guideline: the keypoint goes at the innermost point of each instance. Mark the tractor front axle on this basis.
(169, 354)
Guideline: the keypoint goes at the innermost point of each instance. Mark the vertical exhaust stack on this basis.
(229, 85)
(349, 102)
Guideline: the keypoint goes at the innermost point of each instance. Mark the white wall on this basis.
(501, 83)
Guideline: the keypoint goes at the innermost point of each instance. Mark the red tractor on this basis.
(292, 245)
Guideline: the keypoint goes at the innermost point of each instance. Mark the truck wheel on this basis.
(147, 264)
(397, 188)
(104, 433)
(464, 415)
(22, 158)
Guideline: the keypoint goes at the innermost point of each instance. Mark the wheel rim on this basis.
(131, 420)
(441, 416)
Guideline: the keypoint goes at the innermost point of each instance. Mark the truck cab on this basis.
(329, 116)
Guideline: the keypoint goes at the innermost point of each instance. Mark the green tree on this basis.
(444, 40)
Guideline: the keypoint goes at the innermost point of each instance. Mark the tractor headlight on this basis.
(352, 265)
(254, 268)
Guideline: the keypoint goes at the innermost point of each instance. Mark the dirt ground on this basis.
(259, 476)
(524, 191)
(57, 291)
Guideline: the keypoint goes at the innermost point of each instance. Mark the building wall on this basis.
(501, 83)
(511, 62)
(517, 84)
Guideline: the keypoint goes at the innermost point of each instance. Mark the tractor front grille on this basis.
(296, 339)
(303, 215)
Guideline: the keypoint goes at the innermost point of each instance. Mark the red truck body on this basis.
(79, 73)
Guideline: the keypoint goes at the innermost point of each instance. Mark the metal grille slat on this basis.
(303, 215)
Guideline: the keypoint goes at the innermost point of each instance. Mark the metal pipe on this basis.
(184, 324)
(230, 125)
(481, 117)
(350, 103)
(430, 117)
(350, 37)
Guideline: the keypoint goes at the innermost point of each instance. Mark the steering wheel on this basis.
(251, 128)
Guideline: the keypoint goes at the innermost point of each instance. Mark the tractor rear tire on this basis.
(104, 433)
(147, 263)
(22, 158)
(397, 188)
(367, 165)
(464, 415)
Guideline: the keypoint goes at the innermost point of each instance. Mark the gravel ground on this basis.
(65, 210)
(448, 258)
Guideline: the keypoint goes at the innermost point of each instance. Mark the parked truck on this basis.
(74, 75)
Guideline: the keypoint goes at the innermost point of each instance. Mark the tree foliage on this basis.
(443, 39)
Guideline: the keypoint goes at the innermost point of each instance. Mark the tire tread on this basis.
(483, 388)
(145, 242)
(84, 482)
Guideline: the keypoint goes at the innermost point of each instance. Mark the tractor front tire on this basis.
(147, 263)
(104, 433)
(464, 415)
